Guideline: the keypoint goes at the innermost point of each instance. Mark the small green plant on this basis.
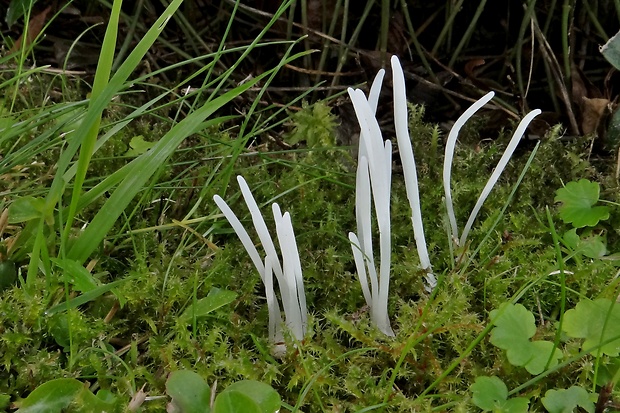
(578, 200)
(567, 400)
(491, 394)
(598, 323)
(514, 328)
(191, 394)
(188, 391)
(578, 208)
(61, 395)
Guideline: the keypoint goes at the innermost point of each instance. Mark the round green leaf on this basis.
(189, 392)
(239, 396)
(8, 274)
(577, 200)
(489, 392)
(597, 322)
(567, 400)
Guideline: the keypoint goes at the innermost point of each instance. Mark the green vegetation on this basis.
(123, 287)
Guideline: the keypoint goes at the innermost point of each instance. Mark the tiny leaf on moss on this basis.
(491, 394)
(189, 393)
(597, 322)
(514, 326)
(567, 400)
(590, 245)
(216, 298)
(60, 395)
(577, 200)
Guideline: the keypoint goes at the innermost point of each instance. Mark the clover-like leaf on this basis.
(491, 394)
(578, 199)
(597, 322)
(567, 400)
(589, 244)
(514, 326)
(137, 146)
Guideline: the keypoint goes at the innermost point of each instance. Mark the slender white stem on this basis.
(262, 231)
(273, 308)
(242, 234)
(296, 314)
(385, 245)
(373, 179)
(409, 169)
(449, 154)
(358, 257)
(375, 91)
(289, 275)
(265, 271)
(501, 165)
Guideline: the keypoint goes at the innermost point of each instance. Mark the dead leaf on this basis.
(137, 400)
(592, 112)
(35, 25)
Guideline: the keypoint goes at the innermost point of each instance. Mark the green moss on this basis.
(344, 361)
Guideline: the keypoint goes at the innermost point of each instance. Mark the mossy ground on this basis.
(133, 336)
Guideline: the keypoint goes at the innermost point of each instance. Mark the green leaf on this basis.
(5, 401)
(140, 170)
(86, 297)
(597, 322)
(592, 246)
(491, 394)
(577, 200)
(611, 51)
(75, 274)
(514, 326)
(17, 8)
(58, 327)
(247, 396)
(138, 146)
(8, 274)
(189, 393)
(25, 209)
(60, 395)
(215, 299)
(567, 400)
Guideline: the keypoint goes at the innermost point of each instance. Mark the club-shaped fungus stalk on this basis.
(373, 181)
(405, 149)
(501, 165)
(288, 275)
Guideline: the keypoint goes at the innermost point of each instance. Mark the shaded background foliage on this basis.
(541, 54)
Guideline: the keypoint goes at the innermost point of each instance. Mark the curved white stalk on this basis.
(375, 91)
(449, 155)
(296, 314)
(358, 257)
(373, 179)
(405, 149)
(289, 276)
(261, 229)
(239, 229)
(501, 165)
(273, 308)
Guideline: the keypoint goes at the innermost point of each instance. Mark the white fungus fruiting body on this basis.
(288, 275)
